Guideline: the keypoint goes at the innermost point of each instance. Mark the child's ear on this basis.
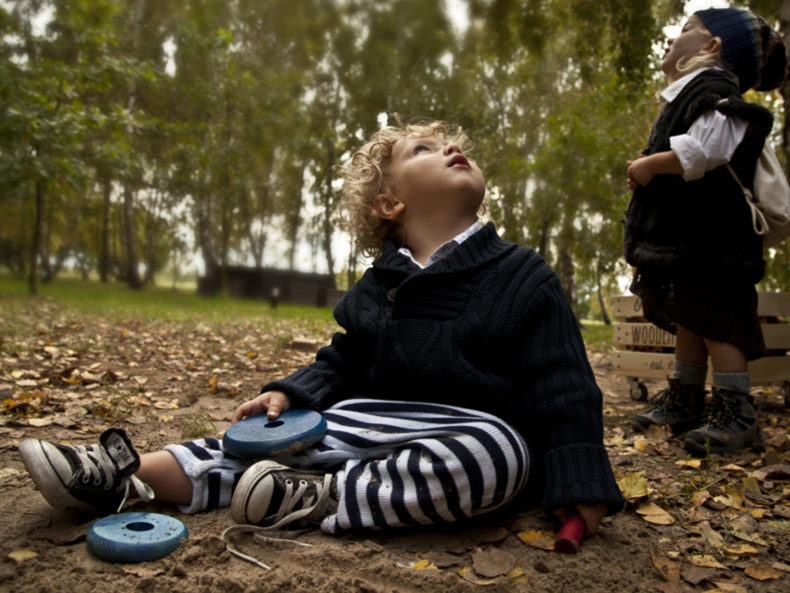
(712, 46)
(387, 206)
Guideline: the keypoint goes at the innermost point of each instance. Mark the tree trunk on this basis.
(601, 301)
(567, 278)
(104, 253)
(132, 257)
(329, 207)
(206, 244)
(38, 233)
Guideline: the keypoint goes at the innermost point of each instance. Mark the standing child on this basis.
(480, 377)
(688, 229)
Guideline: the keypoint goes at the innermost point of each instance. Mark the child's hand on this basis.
(271, 402)
(590, 513)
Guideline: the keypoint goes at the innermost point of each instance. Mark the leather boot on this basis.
(679, 407)
(730, 424)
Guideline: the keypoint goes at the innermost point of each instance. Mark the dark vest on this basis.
(702, 225)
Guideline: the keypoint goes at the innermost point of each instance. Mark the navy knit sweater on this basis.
(489, 328)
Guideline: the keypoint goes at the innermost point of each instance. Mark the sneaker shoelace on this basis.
(99, 471)
(292, 497)
(315, 505)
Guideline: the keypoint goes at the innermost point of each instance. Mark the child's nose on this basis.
(451, 148)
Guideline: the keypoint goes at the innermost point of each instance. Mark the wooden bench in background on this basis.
(644, 351)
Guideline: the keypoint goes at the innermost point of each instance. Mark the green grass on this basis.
(115, 299)
(597, 336)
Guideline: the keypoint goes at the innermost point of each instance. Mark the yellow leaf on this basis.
(690, 463)
(518, 576)
(423, 564)
(725, 587)
(640, 444)
(705, 561)
(740, 550)
(699, 497)
(468, 574)
(652, 513)
(538, 539)
(20, 556)
(633, 485)
(166, 418)
(10, 403)
(762, 572)
(732, 467)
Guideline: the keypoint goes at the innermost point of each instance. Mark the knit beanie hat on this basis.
(749, 47)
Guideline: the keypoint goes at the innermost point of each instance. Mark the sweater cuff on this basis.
(580, 474)
(304, 388)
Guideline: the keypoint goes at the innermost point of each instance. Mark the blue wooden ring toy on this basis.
(135, 537)
(257, 437)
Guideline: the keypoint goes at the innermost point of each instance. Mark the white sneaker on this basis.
(275, 496)
(96, 478)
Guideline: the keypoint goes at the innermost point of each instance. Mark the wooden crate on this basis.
(644, 351)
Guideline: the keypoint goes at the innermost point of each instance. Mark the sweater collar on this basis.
(482, 247)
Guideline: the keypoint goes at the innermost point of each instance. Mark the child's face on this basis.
(693, 39)
(428, 173)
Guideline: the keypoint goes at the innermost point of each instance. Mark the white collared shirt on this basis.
(445, 248)
(710, 141)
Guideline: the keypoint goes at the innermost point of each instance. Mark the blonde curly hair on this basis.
(365, 177)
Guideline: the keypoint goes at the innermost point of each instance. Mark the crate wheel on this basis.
(637, 389)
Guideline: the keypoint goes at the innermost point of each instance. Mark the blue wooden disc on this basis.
(258, 437)
(135, 537)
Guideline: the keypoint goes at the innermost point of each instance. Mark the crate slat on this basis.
(769, 304)
(649, 365)
(777, 336)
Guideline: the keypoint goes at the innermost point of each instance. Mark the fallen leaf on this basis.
(38, 422)
(518, 576)
(763, 572)
(705, 560)
(633, 486)
(732, 467)
(749, 537)
(699, 497)
(20, 556)
(492, 562)
(695, 575)
(468, 574)
(740, 550)
(726, 587)
(669, 571)
(538, 539)
(690, 463)
(423, 564)
(652, 513)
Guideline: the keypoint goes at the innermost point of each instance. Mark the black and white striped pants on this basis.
(397, 464)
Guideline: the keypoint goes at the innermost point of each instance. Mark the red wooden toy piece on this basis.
(570, 536)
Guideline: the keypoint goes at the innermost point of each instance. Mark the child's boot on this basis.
(679, 407)
(730, 424)
(96, 478)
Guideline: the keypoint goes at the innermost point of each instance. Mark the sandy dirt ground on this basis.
(65, 378)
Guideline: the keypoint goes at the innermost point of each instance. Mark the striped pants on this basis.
(397, 464)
